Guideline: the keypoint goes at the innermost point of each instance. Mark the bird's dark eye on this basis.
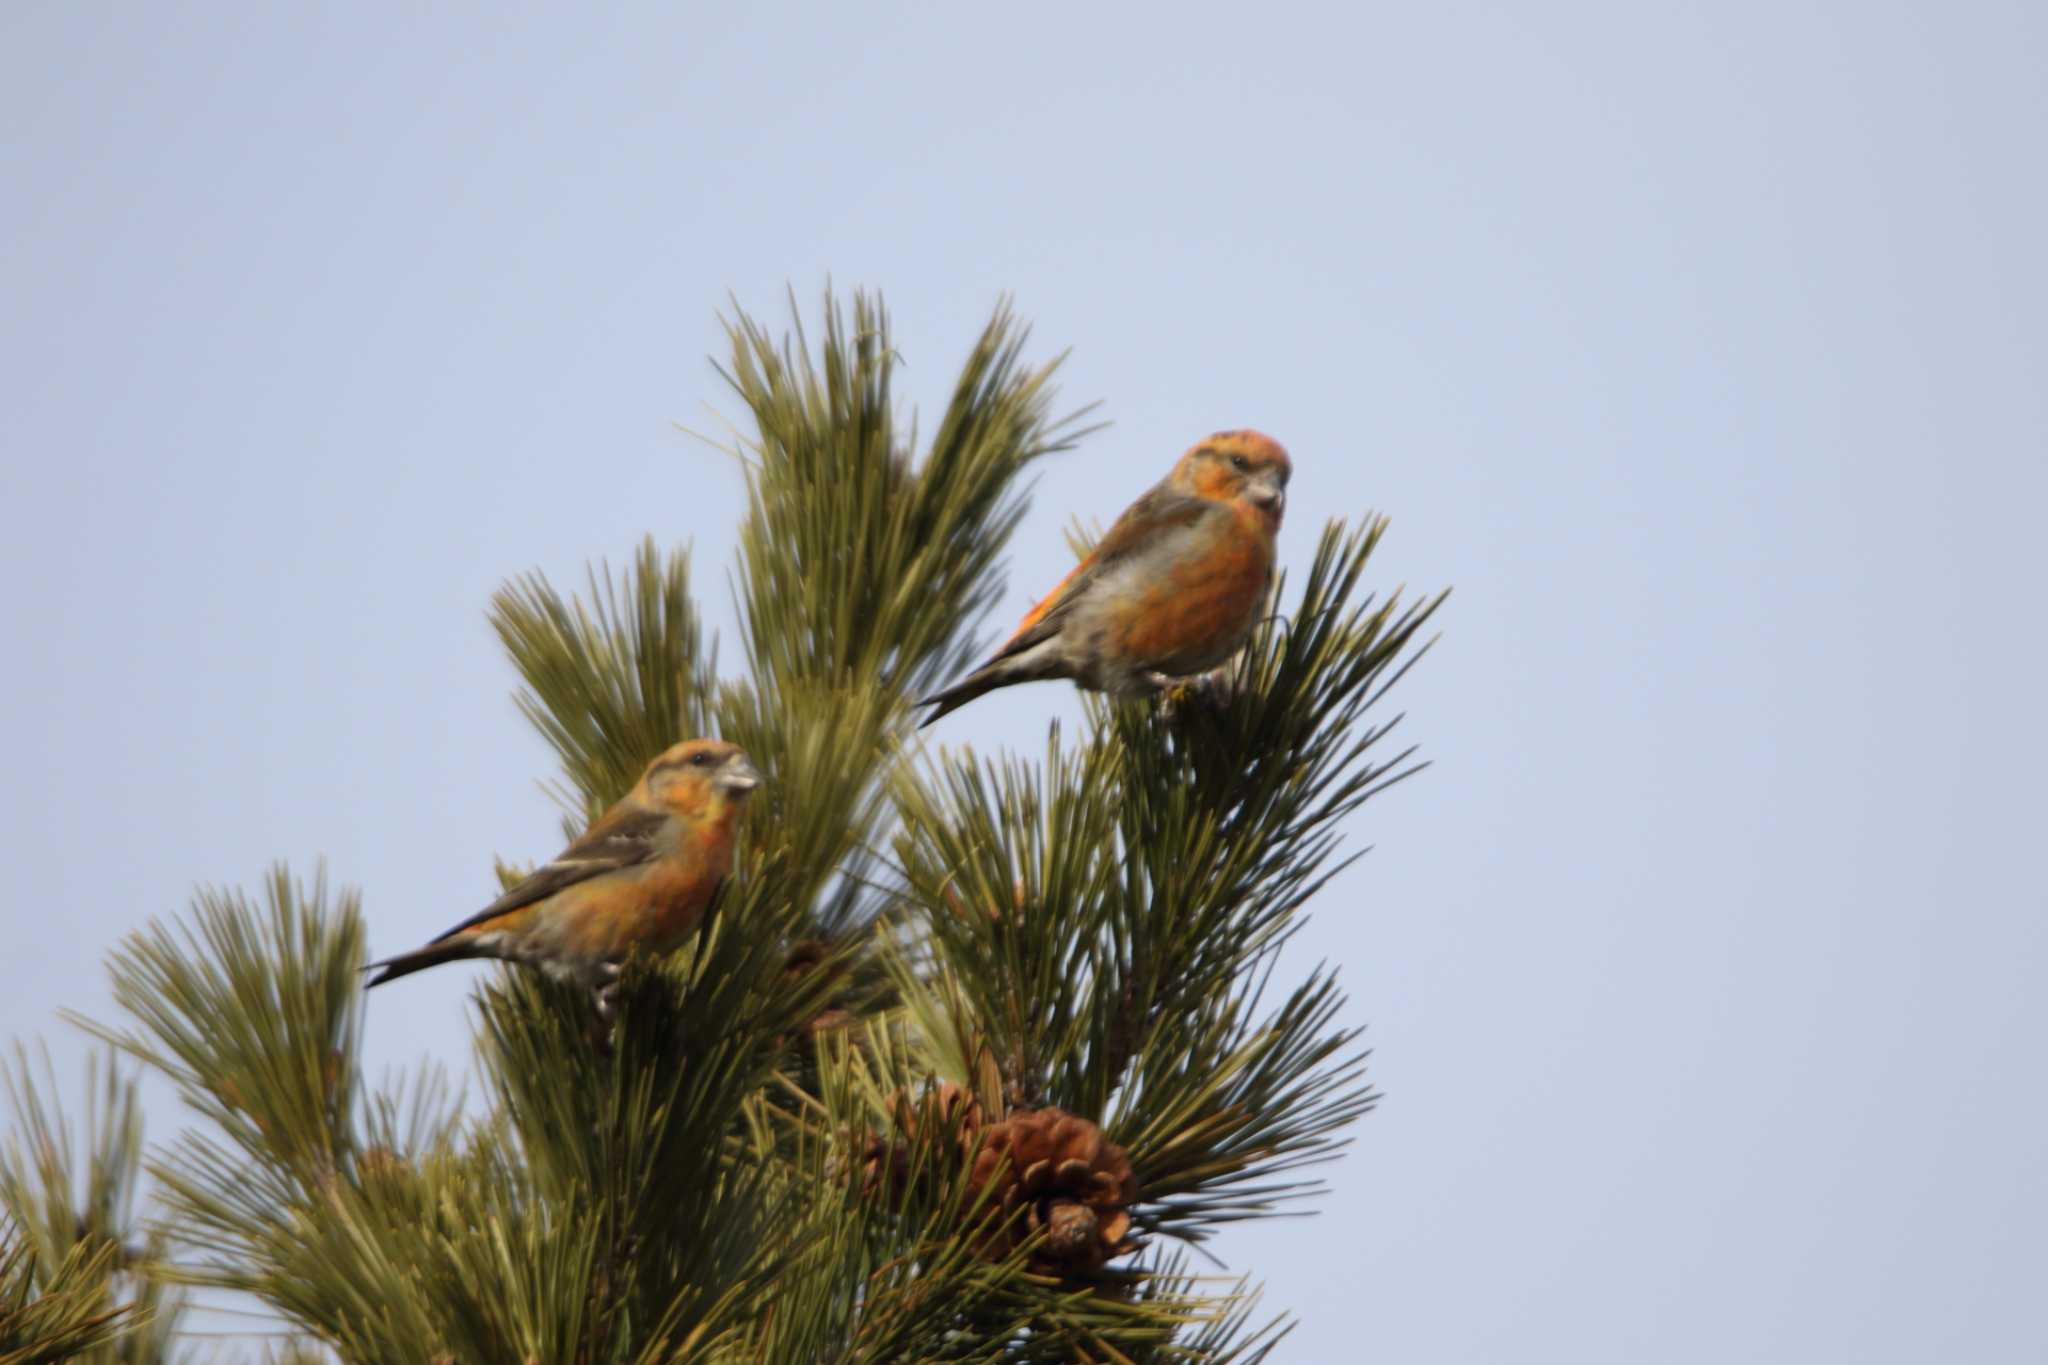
(1240, 464)
(701, 760)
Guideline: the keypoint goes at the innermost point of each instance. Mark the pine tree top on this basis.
(972, 1052)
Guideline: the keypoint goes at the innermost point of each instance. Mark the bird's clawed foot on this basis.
(1172, 694)
(607, 992)
(605, 996)
(1212, 689)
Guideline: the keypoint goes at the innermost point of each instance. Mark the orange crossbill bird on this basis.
(640, 877)
(1172, 590)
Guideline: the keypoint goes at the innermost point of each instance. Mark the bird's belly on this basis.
(653, 912)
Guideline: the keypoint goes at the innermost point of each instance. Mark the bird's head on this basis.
(700, 776)
(1247, 467)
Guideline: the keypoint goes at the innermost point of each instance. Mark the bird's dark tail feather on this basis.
(995, 673)
(418, 960)
(957, 696)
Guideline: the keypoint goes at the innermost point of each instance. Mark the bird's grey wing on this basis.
(1160, 512)
(622, 838)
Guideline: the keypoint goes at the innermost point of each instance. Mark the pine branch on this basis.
(1230, 803)
(612, 681)
(855, 562)
(862, 570)
(1228, 1107)
(75, 1206)
(909, 1253)
(253, 1013)
(1015, 870)
(824, 748)
(56, 1313)
(636, 1129)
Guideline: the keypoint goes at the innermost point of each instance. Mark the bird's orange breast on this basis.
(675, 896)
(1202, 606)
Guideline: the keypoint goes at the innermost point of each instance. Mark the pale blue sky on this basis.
(1701, 347)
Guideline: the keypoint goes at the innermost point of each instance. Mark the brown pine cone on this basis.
(1054, 1171)
(1041, 1170)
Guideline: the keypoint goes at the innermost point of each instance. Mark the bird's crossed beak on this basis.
(1266, 493)
(738, 776)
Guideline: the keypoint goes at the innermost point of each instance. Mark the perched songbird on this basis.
(1172, 590)
(640, 877)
